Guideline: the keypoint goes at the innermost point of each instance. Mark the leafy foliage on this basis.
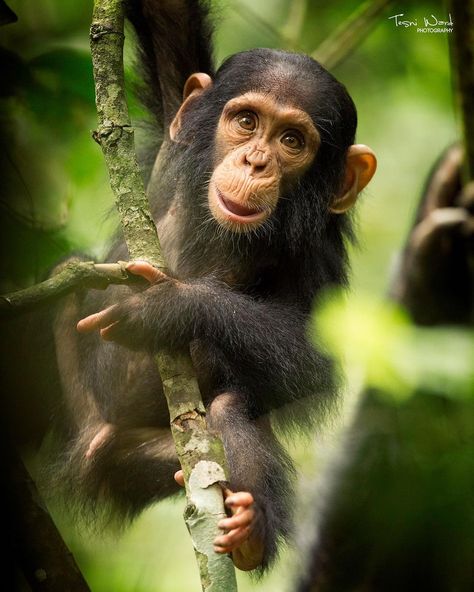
(377, 341)
(55, 198)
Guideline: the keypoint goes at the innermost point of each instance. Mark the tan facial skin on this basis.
(260, 146)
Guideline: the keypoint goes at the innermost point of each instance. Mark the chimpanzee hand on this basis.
(135, 322)
(239, 538)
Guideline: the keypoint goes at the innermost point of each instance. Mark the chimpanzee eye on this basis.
(292, 139)
(246, 120)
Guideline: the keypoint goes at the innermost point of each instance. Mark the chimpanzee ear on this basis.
(194, 86)
(361, 164)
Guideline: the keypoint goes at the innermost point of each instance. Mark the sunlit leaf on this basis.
(376, 338)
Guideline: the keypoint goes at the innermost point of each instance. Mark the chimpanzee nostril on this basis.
(257, 159)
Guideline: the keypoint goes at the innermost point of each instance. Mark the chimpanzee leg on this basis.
(134, 468)
(258, 464)
(118, 462)
(121, 473)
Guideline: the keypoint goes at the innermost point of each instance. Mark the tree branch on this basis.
(201, 454)
(46, 562)
(335, 48)
(462, 51)
(74, 275)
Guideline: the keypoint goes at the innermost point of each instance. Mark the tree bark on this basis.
(462, 52)
(201, 454)
(73, 275)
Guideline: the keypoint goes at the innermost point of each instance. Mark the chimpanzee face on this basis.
(265, 140)
(261, 148)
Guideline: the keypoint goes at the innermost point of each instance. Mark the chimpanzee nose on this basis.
(257, 159)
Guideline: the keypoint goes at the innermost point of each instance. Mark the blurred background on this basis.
(55, 199)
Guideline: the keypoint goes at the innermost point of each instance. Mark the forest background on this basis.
(55, 198)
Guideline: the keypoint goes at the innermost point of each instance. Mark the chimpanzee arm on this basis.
(259, 465)
(264, 340)
(174, 37)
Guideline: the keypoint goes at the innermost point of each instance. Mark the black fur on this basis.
(242, 300)
(175, 34)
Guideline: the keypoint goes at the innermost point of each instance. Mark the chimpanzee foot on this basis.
(105, 432)
(247, 549)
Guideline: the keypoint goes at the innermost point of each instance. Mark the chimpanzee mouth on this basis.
(238, 212)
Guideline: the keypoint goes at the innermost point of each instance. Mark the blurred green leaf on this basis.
(376, 339)
(67, 73)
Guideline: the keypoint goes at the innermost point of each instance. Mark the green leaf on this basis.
(67, 72)
(375, 340)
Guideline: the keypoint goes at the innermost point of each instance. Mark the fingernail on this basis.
(230, 501)
(136, 262)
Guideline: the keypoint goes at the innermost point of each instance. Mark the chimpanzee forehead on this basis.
(289, 88)
(291, 79)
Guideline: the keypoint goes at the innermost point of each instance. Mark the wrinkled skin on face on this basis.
(261, 146)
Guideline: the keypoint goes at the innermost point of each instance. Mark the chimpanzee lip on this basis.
(237, 212)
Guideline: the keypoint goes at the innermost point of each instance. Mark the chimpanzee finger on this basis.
(220, 549)
(179, 477)
(108, 333)
(232, 539)
(99, 320)
(244, 518)
(123, 333)
(146, 271)
(105, 432)
(241, 498)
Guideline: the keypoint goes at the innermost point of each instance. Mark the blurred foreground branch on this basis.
(43, 557)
